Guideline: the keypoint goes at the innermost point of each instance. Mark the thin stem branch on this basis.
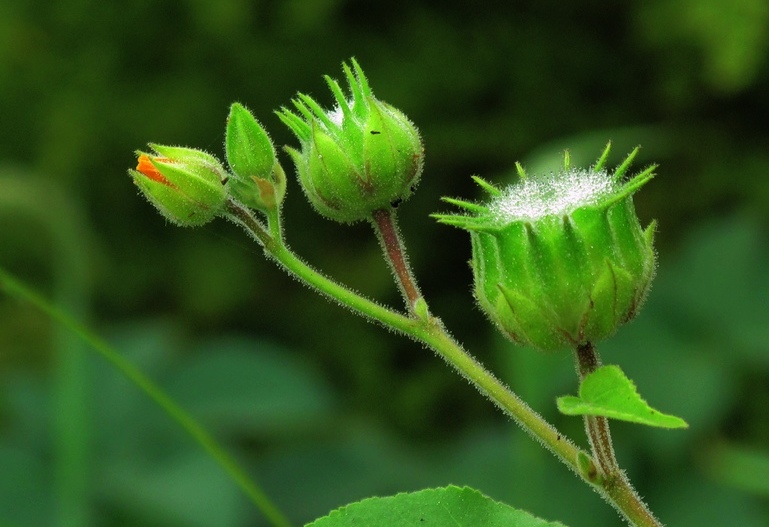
(277, 249)
(597, 427)
(434, 335)
(261, 233)
(386, 228)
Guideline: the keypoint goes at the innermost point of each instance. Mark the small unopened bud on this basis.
(186, 185)
(258, 180)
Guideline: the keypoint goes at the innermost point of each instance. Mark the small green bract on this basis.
(609, 393)
(560, 260)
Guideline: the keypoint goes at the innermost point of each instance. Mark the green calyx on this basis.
(186, 185)
(258, 179)
(560, 260)
(362, 156)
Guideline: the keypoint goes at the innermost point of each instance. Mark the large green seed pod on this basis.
(560, 260)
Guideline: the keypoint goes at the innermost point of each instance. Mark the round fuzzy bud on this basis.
(186, 185)
(362, 156)
(560, 260)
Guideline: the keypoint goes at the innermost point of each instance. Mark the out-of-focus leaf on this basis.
(729, 36)
(237, 383)
(357, 460)
(609, 393)
(186, 489)
(719, 286)
(124, 417)
(741, 467)
(445, 507)
(25, 496)
(682, 499)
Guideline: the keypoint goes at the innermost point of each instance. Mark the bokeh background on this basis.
(321, 407)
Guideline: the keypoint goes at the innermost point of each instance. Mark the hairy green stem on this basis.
(596, 427)
(616, 489)
(386, 229)
(612, 480)
(430, 332)
(154, 392)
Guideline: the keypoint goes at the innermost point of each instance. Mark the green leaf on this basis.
(443, 507)
(609, 393)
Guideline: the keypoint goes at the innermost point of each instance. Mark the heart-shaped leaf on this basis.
(443, 507)
(609, 393)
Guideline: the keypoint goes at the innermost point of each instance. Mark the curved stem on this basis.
(277, 249)
(615, 489)
(154, 392)
(430, 332)
(386, 229)
(434, 335)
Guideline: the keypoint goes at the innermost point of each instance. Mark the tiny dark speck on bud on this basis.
(375, 132)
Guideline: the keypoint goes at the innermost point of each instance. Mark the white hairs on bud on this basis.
(551, 195)
(336, 115)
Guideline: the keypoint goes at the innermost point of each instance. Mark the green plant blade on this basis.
(609, 393)
(443, 507)
(16, 289)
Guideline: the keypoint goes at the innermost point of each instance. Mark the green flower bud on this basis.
(362, 156)
(560, 260)
(186, 185)
(258, 179)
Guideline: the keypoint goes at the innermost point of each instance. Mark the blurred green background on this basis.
(321, 407)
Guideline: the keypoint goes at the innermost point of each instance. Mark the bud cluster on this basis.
(360, 157)
(191, 187)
